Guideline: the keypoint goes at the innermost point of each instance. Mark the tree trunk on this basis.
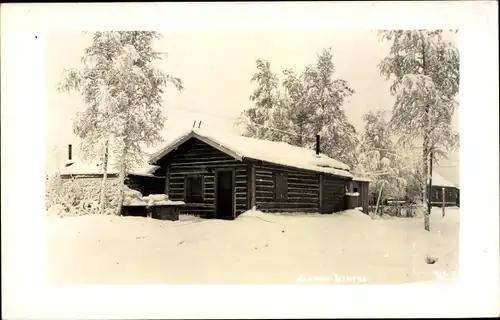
(425, 185)
(301, 131)
(121, 184)
(378, 200)
(429, 205)
(444, 201)
(121, 181)
(426, 154)
(102, 199)
(122, 175)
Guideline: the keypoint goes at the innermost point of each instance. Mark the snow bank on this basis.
(255, 214)
(270, 151)
(354, 214)
(56, 210)
(251, 213)
(352, 194)
(310, 248)
(452, 215)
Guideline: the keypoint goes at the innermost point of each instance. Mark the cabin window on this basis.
(194, 188)
(355, 190)
(280, 186)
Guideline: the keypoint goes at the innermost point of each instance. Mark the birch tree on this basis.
(326, 98)
(314, 105)
(301, 106)
(377, 157)
(425, 70)
(123, 92)
(265, 98)
(298, 110)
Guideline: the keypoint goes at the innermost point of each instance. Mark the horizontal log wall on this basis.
(197, 157)
(333, 193)
(241, 192)
(146, 185)
(437, 196)
(302, 189)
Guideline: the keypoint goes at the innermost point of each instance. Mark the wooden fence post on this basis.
(379, 195)
(444, 202)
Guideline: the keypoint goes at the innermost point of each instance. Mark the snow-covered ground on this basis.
(348, 247)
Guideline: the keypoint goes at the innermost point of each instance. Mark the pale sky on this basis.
(216, 68)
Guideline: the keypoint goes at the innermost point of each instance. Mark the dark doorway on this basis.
(224, 195)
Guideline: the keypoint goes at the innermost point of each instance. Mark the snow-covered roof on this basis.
(79, 167)
(241, 147)
(362, 179)
(438, 180)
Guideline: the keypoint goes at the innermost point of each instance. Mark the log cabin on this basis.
(442, 187)
(221, 175)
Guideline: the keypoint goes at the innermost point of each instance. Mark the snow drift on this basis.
(255, 248)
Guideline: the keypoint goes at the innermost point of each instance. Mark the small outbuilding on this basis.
(442, 188)
(148, 180)
(360, 186)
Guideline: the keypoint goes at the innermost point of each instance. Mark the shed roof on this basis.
(241, 147)
(439, 181)
(362, 179)
(79, 167)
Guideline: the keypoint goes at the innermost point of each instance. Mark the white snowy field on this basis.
(348, 247)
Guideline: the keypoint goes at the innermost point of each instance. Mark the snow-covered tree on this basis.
(265, 98)
(298, 110)
(279, 121)
(305, 105)
(378, 159)
(123, 92)
(377, 135)
(325, 98)
(425, 69)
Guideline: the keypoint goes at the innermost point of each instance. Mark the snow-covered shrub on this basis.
(132, 196)
(80, 196)
(392, 209)
(59, 192)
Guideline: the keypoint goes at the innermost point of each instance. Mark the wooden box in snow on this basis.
(351, 200)
(137, 210)
(165, 211)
